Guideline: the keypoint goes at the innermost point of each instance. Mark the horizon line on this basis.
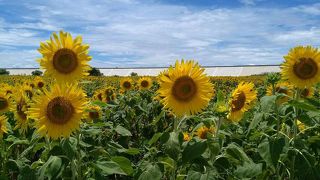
(156, 67)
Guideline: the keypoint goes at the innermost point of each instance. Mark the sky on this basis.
(144, 33)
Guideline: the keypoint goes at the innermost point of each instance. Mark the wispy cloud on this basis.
(138, 33)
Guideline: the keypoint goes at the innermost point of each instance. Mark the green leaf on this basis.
(26, 173)
(255, 121)
(248, 170)
(151, 172)
(130, 151)
(193, 150)
(51, 168)
(268, 103)
(236, 154)
(172, 146)
(303, 105)
(208, 175)
(124, 164)
(154, 138)
(123, 131)
(109, 167)
(271, 149)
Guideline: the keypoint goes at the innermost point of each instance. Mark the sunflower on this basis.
(186, 136)
(58, 112)
(126, 84)
(3, 125)
(203, 131)
(64, 58)
(185, 88)
(6, 88)
(20, 106)
(98, 95)
(5, 102)
(28, 90)
(281, 88)
(301, 126)
(93, 112)
(307, 92)
(39, 82)
(302, 66)
(145, 83)
(241, 100)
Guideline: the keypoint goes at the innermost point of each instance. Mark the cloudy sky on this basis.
(135, 33)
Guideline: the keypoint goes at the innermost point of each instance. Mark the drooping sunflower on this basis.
(145, 83)
(28, 90)
(126, 84)
(185, 88)
(93, 112)
(302, 66)
(203, 131)
(58, 112)
(5, 102)
(307, 92)
(20, 107)
(64, 58)
(283, 88)
(3, 125)
(241, 100)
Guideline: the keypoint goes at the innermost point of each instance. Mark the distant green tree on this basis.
(37, 73)
(134, 74)
(95, 72)
(4, 72)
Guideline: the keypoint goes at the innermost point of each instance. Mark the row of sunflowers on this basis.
(181, 124)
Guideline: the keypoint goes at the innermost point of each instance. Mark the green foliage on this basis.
(36, 73)
(4, 72)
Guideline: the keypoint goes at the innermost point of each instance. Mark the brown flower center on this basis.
(65, 61)
(144, 83)
(305, 68)
(184, 89)
(60, 110)
(305, 93)
(100, 96)
(29, 93)
(281, 90)
(239, 102)
(21, 109)
(40, 84)
(3, 103)
(127, 85)
(94, 115)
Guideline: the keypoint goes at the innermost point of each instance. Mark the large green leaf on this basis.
(109, 167)
(236, 154)
(124, 163)
(152, 172)
(268, 103)
(193, 150)
(248, 170)
(208, 175)
(122, 131)
(270, 150)
(172, 146)
(51, 168)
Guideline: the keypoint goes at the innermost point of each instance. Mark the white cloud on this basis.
(132, 33)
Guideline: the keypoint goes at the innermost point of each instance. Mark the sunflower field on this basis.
(181, 124)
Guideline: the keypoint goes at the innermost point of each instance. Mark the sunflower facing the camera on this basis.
(126, 84)
(57, 113)
(64, 58)
(185, 88)
(302, 66)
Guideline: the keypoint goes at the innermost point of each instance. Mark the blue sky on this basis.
(134, 33)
